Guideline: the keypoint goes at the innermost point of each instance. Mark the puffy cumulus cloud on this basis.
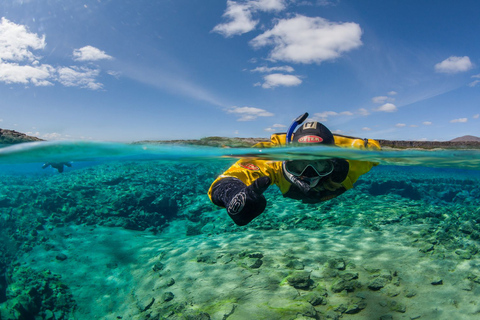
(19, 64)
(454, 65)
(249, 113)
(460, 120)
(79, 77)
(400, 125)
(427, 123)
(304, 39)
(239, 15)
(273, 69)
(278, 79)
(38, 75)
(89, 53)
(16, 42)
(387, 107)
(269, 129)
(277, 125)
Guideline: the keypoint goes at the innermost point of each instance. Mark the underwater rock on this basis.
(426, 248)
(336, 263)
(250, 254)
(170, 282)
(167, 296)
(32, 293)
(314, 298)
(397, 307)
(300, 280)
(61, 257)
(295, 264)
(356, 306)
(386, 317)
(158, 267)
(377, 284)
(197, 316)
(437, 282)
(206, 258)
(340, 284)
(410, 293)
(252, 263)
(349, 276)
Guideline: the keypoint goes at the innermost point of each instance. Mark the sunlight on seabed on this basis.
(105, 151)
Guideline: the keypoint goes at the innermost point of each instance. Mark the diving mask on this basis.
(308, 168)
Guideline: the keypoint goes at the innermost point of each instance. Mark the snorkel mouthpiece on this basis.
(298, 121)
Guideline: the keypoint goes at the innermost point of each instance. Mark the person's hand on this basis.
(249, 202)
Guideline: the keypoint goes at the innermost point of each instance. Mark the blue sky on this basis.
(175, 69)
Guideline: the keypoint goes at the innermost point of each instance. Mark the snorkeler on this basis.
(57, 165)
(240, 189)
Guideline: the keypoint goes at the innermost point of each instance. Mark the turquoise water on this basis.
(135, 218)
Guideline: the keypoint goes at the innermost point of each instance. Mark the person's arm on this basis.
(240, 189)
(243, 203)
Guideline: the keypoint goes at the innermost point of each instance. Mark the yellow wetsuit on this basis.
(249, 170)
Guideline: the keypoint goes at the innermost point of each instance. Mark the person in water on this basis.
(240, 189)
(57, 165)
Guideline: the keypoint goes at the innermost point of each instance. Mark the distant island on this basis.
(8, 137)
(14, 137)
(465, 142)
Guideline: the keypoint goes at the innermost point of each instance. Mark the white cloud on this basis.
(427, 123)
(363, 112)
(400, 125)
(474, 83)
(323, 116)
(279, 126)
(413, 126)
(1, 120)
(476, 116)
(36, 74)
(266, 69)
(387, 107)
(18, 63)
(380, 99)
(89, 53)
(240, 15)
(277, 79)
(454, 65)
(304, 39)
(249, 113)
(268, 5)
(269, 129)
(366, 129)
(392, 93)
(240, 20)
(460, 120)
(79, 77)
(16, 42)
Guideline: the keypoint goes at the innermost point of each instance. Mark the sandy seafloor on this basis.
(223, 287)
(140, 240)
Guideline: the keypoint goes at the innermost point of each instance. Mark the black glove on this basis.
(243, 203)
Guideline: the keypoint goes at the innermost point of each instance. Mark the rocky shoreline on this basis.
(249, 142)
(8, 137)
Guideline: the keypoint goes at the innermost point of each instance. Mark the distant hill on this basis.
(466, 138)
(13, 137)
